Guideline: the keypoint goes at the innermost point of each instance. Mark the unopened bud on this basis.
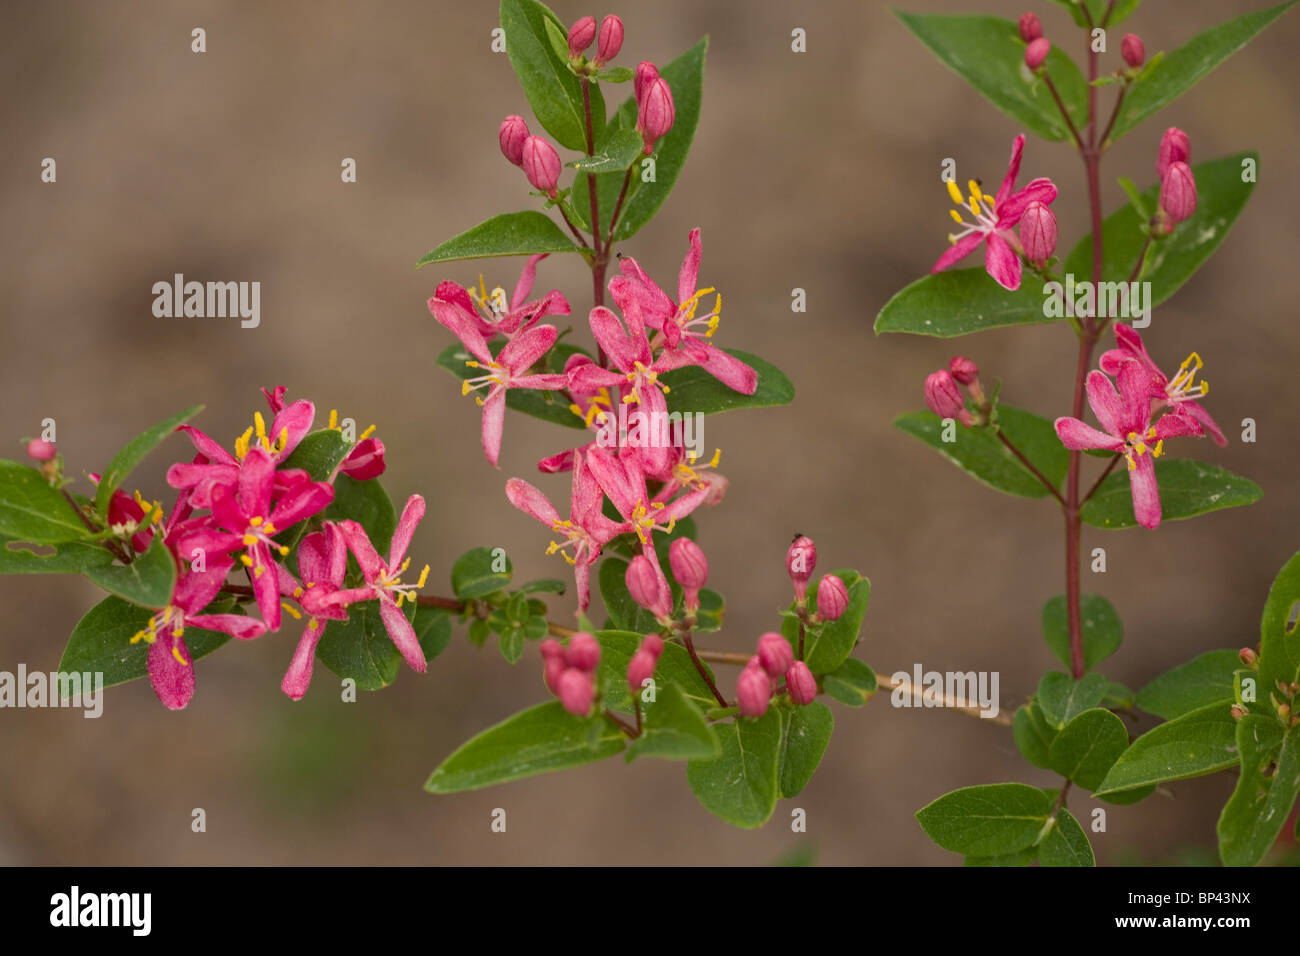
(774, 654)
(1178, 192)
(801, 684)
(753, 691)
(576, 690)
(943, 397)
(610, 40)
(584, 651)
(541, 164)
(832, 598)
(656, 113)
(800, 561)
(1031, 28)
(964, 370)
(1283, 711)
(1175, 147)
(1132, 50)
(1037, 52)
(553, 664)
(690, 568)
(580, 36)
(652, 644)
(640, 669)
(646, 73)
(1038, 233)
(1249, 657)
(511, 137)
(38, 449)
(1238, 712)
(648, 588)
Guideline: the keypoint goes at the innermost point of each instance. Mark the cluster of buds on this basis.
(1037, 46)
(533, 154)
(832, 593)
(608, 39)
(757, 683)
(570, 672)
(943, 392)
(1177, 184)
(655, 112)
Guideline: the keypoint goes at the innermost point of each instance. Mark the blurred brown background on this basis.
(817, 171)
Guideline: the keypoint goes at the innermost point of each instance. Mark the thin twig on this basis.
(1051, 87)
(1030, 465)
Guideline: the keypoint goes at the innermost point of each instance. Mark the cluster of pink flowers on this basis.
(231, 507)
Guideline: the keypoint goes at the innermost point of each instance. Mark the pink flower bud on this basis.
(1132, 50)
(646, 73)
(652, 644)
(554, 663)
(753, 691)
(832, 598)
(640, 669)
(656, 113)
(541, 164)
(774, 654)
(1178, 192)
(580, 36)
(1037, 52)
(38, 449)
(1249, 657)
(512, 135)
(942, 396)
(690, 568)
(1175, 147)
(1030, 27)
(576, 691)
(964, 370)
(800, 561)
(610, 40)
(801, 684)
(583, 651)
(648, 587)
(365, 460)
(1038, 232)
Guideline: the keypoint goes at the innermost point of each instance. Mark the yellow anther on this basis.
(974, 201)
(242, 442)
(293, 612)
(176, 653)
(314, 624)
(955, 193)
(956, 216)
(268, 528)
(1205, 388)
(178, 632)
(1151, 432)
(974, 188)
(465, 388)
(1193, 359)
(284, 550)
(298, 592)
(717, 457)
(1159, 449)
(424, 576)
(334, 418)
(246, 561)
(249, 540)
(1140, 448)
(281, 440)
(258, 572)
(479, 401)
(367, 433)
(472, 364)
(499, 298)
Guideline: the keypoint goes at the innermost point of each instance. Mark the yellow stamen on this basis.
(955, 193)
(424, 576)
(246, 560)
(367, 433)
(242, 443)
(176, 653)
(334, 418)
(249, 540)
(956, 216)
(293, 612)
(314, 624)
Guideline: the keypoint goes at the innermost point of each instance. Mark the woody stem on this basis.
(704, 671)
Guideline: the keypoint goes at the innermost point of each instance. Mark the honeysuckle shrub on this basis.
(288, 525)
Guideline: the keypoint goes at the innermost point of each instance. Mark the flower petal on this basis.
(238, 626)
(958, 250)
(1146, 494)
(689, 275)
(1013, 170)
(1076, 435)
(1002, 262)
(256, 478)
(526, 348)
(624, 350)
(1010, 210)
(207, 446)
(358, 543)
(494, 417)
(531, 501)
(172, 680)
(412, 514)
(298, 677)
(295, 421)
(403, 635)
(1106, 404)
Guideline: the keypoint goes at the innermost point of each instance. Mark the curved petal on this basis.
(1002, 262)
(314, 559)
(531, 501)
(494, 418)
(526, 348)
(582, 578)
(730, 371)
(172, 677)
(611, 474)
(958, 250)
(1013, 170)
(365, 460)
(1198, 412)
(256, 478)
(412, 514)
(1178, 423)
(295, 421)
(1146, 494)
(1135, 395)
(239, 626)
(624, 350)
(689, 275)
(1106, 404)
(195, 590)
(358, 543)
(1076, 435)
(301, 503)
(206, 446)
(298, 677)
(266, 586)
(403, 635)
(525, 283)
(591, 378)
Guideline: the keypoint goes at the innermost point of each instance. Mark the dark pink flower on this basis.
(1179, 393)
(1178, 193)
(642, 665)
(1125, 418)
(40, 450)
(655, 112)
(1037, 52)
(488, 312)
(943, 397)
(1031, 28)
(583, 652)
(690, 568)
(995, 221)
(1038, 233)
(964, 370)
(576, 690)
(800, 561)
(1175, 147)
(645, 74)
(648, 587)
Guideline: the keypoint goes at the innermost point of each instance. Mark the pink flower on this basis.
(801, 684)
(800, 561)
(489, 313)
(645, 74)
(1179, 393)
(554, 663)
(583, 651)
(1125, 418)
(1132, 49)
(642, 665)
(576, 690)
(610, 40)
(690, 568)
(1031, 28)
(655, 112)
(774, 654)
(586, 530)
(964, 370)
(509, 369)
(171, 669)
(995, 221)
(322, 563)
(649, 588)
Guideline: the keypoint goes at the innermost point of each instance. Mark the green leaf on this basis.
(474, 575)
(990, 820)
(740, 786)
(674, 728)
(674, 668)
(852, 683)
(685, 76)
(511, 642)
(987, 53)
(982, 455)
(550, 406)
(1087, 747)
(1188, 65)
(432, 630)
(319, 453)
(1062, 698)
(1221, 195)
(615, 74)
(132, 453)
(827, 646)
(1019, 858)
(147, 581)
(101, 642)
(368, 504)
(1279, 648)
(961, 301)
(70, 557)
(1266, 790)
(509, 234)
(1102, 630)
(1097, 9)
(553, 91)
(33, 512)
(1187, 489)
(1033, 735)
(1199, 742)
(1066, 844)
(360, 648)
(618, 153)
(692, 389)
(807, 734)
(1203, 680)
(538, 740)
(543, 586)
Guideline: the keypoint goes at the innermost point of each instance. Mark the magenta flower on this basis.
(1125, 418)
(171, 669)
(995, 221)
(1179, 393)
(384, 580)
(586, 530)
(322, 563)
(509, 369)
(454, 306)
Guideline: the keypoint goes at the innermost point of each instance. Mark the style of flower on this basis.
(489, 313)
(1180, 392)
(1125, 418)
(587, 530)
(995, 221)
